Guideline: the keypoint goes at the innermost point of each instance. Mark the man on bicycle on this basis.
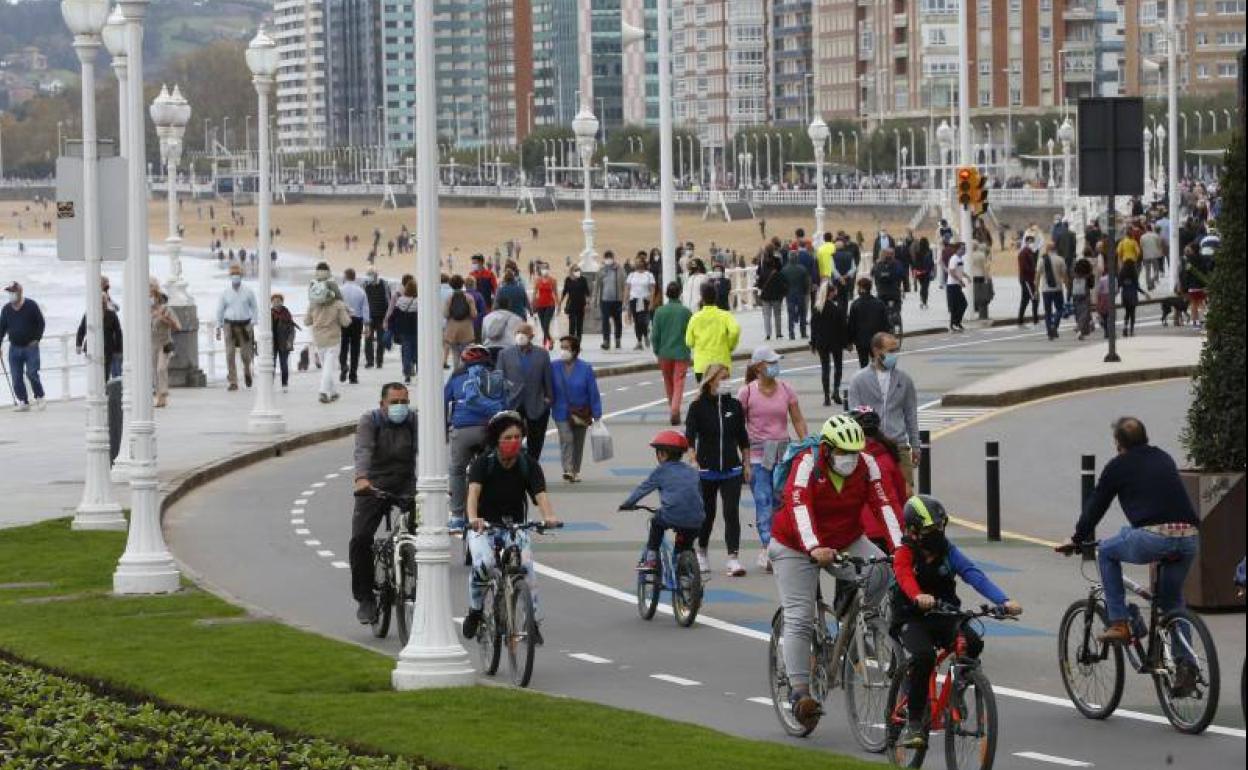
(1163, 525)
(473, 394)
(927, 566)
(500, 484)
(889, 274)
(820, 514)
(385, 459)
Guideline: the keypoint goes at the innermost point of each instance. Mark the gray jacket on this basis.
(385, 453)
(899, 413)
(614, 273)
(533, 375)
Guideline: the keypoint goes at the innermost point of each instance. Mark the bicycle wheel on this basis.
(521, 637)
(1092, 672)
(405, 601)
(648, 589)
(896, 713)
(971, 723)
(779, 680)
(865, 677)
(489, 640)
(1187, 644)
(687, 598)
(383, 591)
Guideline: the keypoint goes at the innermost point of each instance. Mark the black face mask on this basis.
(933, 541)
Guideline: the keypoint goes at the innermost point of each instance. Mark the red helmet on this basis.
(475, 354)
(670, 439)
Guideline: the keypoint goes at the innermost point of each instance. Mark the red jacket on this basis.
(894, 484)
(814, 514)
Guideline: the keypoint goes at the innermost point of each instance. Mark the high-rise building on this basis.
(1211, 34)
(302, 82)
(353, 69)
(509, 69)
(397, 57)
(463, 110)
(790, 62)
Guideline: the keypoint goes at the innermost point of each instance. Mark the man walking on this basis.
(868, 316)
(23, 322)
(1051, 282)
(797, 279)
(1152, 249)
(349, 349)
(236, 314)
(609, 294)
(667, 339)
(377, 291)
(891, 393)
(527, 367)
(1027, 281)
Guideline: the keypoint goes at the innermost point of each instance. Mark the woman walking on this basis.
(715, 427)
(772, 289)
(829, 337)
(640, 283)
(327, 316)
(164, 324)
(406, 329)
(460, 312)
(924, 269)
(576, 406)
(1129, 287)
(574, 296)
(284, 329)
(545, 301)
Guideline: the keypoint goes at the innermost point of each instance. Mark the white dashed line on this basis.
(296, 511)
(331, 475)
(760, 701)
(457, 621)
(1052, 759)
(586, 657)
(296, 522)
(621, 389)
(303, 531)
(325, 554)
(675, 680)
(340, 565)
(301, 501)
(312, 543)
(643, 384)
(317, 484)
(308, 493)
(347, 468)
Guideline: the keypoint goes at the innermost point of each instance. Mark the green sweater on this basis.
(667, 331)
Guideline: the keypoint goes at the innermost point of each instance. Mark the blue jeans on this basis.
(1054, 304)
(114, 366)
(481, 546)
(407, 353)
(1139, 546)
(760, 488)
(796, 306)
(24, 361)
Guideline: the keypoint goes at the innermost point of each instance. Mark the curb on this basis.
(1048, 389)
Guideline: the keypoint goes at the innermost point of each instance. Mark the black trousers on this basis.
(685, 538)
(374, 349)
(576, 322)
(1028, 295)
(349, 350)
(955, 298)
(730, 491)
(535, 433)
(864, 355)
(921, 636)
(369, 511)
(835, 357)
(612, 312)
(640, 309)
(925, 281)
(281, 359)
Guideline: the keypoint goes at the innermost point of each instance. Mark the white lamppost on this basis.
(585, 127)
(1161, 148)
(1172, 98)
(818, 133)
(1148, 169)
(1052, 166)
(1066, 135)
(97, 509)
(433, 656)
(114, 35)
(262, 60)
(146, 566)
(171, 113)
(944, 137)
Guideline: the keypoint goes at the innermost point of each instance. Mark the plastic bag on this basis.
(600, 442)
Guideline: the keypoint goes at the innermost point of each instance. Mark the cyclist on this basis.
(473, 394)
(927, 566)
(1163, 526)
(501, 482)
(820, 514)
(888, 457)
(889, 274)
(385, 459)
(680, 497)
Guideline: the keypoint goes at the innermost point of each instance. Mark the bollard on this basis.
(925, 462)
(993, 468)
(1087, 483)
(845, 399)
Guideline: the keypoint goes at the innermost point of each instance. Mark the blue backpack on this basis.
(485, 392)
(780, 471)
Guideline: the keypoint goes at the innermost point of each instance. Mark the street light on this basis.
(1066, 135)
(97, 509)
(1148, 169)
(944, 137)
(1052, 175)
(1161, 148)
(262, 60)
(171, 114)
(585, 127)
(818, 133)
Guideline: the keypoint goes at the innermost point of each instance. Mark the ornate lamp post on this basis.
(585, 126)
(944, 137)
(1161, 149)
(97, 509)
(1052, 174)
(1148, 169)
(818, 132)
(262, 60)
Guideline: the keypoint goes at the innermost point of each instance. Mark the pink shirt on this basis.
(766, 417)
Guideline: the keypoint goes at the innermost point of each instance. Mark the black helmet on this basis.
(500, 423)
(923, 511)
(868, 418)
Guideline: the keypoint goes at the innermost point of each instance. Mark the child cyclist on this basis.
(926, 566)
(680, 497)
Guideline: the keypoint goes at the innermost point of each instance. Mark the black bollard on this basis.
(845, 399)
(925, 462)
(1087, 482)
(993, 469)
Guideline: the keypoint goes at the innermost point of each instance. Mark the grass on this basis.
(269, 674)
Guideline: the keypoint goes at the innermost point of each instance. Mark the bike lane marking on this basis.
(1051, 759)
(678, 680)
(587, 658)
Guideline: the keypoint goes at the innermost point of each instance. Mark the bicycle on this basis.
(962, 704)
(678, 573)
(1093, 672)
(394, 566)
(861, 659)
(508, 618)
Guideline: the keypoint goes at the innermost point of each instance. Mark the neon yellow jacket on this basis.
(712, 335)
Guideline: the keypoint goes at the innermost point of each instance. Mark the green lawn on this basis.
(271, 674)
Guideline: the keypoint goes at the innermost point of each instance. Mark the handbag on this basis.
(580, 416)
(600, 442)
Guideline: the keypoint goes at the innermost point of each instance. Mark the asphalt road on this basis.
(274, 536)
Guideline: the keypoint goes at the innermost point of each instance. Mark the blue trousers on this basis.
(796, 305)
(1139, 546)
(23, 365)
(760, 489)
(407, 351)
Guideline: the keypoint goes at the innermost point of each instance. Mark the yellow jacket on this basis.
(823, 257)
(712, 335)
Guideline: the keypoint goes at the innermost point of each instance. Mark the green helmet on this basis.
(843, 432)
(923, 511)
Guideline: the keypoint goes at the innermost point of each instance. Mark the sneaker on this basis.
(704, 563)
(806, 710)
(472, 621)
(233, 387)
(22, 407)
(366, 612)
(827, 400)
(324, 399)
(637, 346)
(39, 405)
(733, 567)
(567, 477)
(912, 737)
(334, 397)
(763, 562)
(247, 379)
(1119, 632)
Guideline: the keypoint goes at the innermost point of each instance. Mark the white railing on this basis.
(741, 281)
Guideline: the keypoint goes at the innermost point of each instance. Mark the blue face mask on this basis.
(773, 370)
(398, 413)
(889, 361)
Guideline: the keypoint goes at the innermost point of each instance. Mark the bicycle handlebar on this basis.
(639, 507)
(858, 562)
(404, 503)
(993, 611)
(539, 526)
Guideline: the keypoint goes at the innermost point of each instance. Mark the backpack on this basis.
(485, 391)
(459, 309)
(780, 471)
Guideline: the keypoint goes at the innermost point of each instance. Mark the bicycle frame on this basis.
(1143, 655)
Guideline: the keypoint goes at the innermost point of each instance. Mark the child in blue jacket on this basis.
(680, 497)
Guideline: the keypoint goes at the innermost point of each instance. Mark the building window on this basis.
(1227, 70)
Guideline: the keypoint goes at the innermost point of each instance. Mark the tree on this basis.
(1214, 436)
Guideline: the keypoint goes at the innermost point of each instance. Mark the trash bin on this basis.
(112, 389)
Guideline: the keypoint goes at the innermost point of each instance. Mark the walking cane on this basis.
(7, 380)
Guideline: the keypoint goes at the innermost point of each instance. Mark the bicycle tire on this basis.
(985, 731)
(1209, 672)
(687, 598)
(648, 591)
(521, 636)
(489, 640)
(383, 590)
(405, 600)
(1073, 623)
(779, 681)
(899, 756)
(866, 714)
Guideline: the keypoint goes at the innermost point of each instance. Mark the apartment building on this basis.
(302, 79)
(509, 69)
(353, 71)
(790, 62)
(1210, 35)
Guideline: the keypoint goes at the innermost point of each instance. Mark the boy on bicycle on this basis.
(680, 497)
(927, 566)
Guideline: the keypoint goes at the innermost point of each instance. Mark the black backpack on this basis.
(459, 309)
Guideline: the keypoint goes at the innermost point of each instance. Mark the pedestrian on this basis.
(769, 405)
(512, 290)
(824, 256)
(772, 290)
(164, 324)
(888, 459)
(487, 282)
(528, 367)
(979, 269)
(955, 288)
(641, 285)
(573, 298)
(924, 269)
(377, 292)
(236, 315)
(470, 290)
(712, 334)
(1152, 251)
(867, 317)
(112, 339)
(22, 320)
(609, 293)
(546, 301)
(498, 329)
(667, 337)
(798, 282)
(887, 275)
(1129, 290)
(1051, 284)
(475, 392)
(691, 290)
(1027, 281)
(349, 349)
(327, 316)
(460, 313)
(406, 329)
(829, 337)
(284, 330)
(715, 428)
(1081, 286)
(723, 288)
(577, 405)
(1197, 271)
(891, 393)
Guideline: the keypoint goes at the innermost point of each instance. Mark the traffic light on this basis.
(968, 182)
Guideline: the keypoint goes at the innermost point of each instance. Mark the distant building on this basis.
(790, 64)
(302, 75)
(353, 59)
(1211, 35)
(29, 59)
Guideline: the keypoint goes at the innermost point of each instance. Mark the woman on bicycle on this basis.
(501, 481)
(927, 566)
(820, 514)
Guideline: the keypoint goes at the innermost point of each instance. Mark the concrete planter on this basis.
(1219, 500)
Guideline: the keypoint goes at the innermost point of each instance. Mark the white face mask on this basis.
(565, 355)
(843, 465)
(522, 339)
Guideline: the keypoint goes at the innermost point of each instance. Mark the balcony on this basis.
(1079, 44)
(1079, 76)
(901, 20)
(1079, 12)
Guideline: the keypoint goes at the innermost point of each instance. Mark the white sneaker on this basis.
(763, 562)
(704, 563)
(23, 407)
(39, 404)
(733, 568)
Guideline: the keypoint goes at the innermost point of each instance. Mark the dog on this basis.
(1176, 305)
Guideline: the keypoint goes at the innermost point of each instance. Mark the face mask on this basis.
(398, 413)
(565, 355)
(933, 541)
(609, 261)
(545, 273)
(719, 273)
(576, 273)
(277, 305)
(889, 361)
(236, 281)
(509, 448)
(772, 370)
(9, 297)
(522, 339)
(843, 465)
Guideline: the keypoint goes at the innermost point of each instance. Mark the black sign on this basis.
(1111, 146)
(64, 209)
